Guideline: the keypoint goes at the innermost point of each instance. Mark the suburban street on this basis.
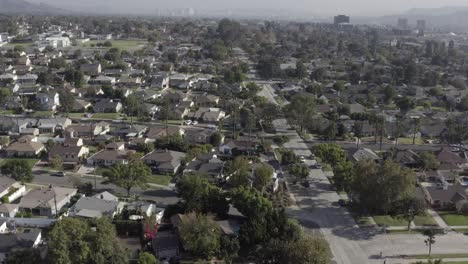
(316, 207)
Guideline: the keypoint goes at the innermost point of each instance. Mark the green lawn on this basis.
(462, 230)
(424, 220)
(160, 179)
(121, 44)
(7, 112)
(453, 219)
(106, 116)
(76, 115)
(43, 113)
(100, 170)
(31, 162)
(409, 141)
(386, 220)
(403, 232)
(25, 44)
(363, 220)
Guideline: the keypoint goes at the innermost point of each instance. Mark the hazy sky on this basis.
(327, 7)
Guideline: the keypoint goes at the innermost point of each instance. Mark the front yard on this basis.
(106, 116)
(31, 162)
(451, 218)
(160, 179)
(386, 220)
(424, 220)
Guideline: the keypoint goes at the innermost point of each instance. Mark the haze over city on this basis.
(358, 7)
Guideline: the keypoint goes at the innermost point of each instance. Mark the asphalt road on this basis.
(160, 196)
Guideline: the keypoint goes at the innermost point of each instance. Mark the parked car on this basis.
(195, 123)
(59, 174)
(188, 122)
(302, 159)
(318, 166)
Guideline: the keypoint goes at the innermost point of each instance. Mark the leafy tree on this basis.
(216, 139)
(56, 162)
(147, 258)
(130, 175)
(18, 169)
(229, 248)
(308, 249)
(67, 100)
(114, 54)
(301, 108)
(300, 171)
(343, 175)
(358, 133)
(301, 70)
(5, 93)
(23, 256)
(330, 132)
(330, 153)
(288, 157)
(428, 161)
(262, 176)
(238, 171)
(145, 147)
(389, 93)
(430, 239)
(410, 207)
(198, 195)
(377, 188)
(405, 104)
(200, 235)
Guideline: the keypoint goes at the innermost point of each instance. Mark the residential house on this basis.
(27, 79)
(53, 125)
(92, 207)
(237, 147)
(159, 82)
(199, 136)
(128, 131)
(26, 146)
(104, 80)
(25, 239)
(158, 132)
(164, 161)
(166, 243)
(445, 196)
(446, 156)
(72, 152)
(207, 164)
(365, 154)
(46, 201)
(10, 189)
(93, 69)
(113, 153)
(86, 130)
(206, 100)
(48, 101)
(107, 106)
(80, 105)
(8, 210)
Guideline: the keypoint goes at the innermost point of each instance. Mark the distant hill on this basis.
(25, 7)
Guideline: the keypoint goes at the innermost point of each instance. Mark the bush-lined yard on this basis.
(386, 220)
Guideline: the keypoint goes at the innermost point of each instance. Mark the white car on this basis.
(195, 123)
(302, 159)
(188, 122)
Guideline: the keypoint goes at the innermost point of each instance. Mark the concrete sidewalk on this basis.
(437, 218)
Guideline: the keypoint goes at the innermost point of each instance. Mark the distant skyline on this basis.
(316, 7)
